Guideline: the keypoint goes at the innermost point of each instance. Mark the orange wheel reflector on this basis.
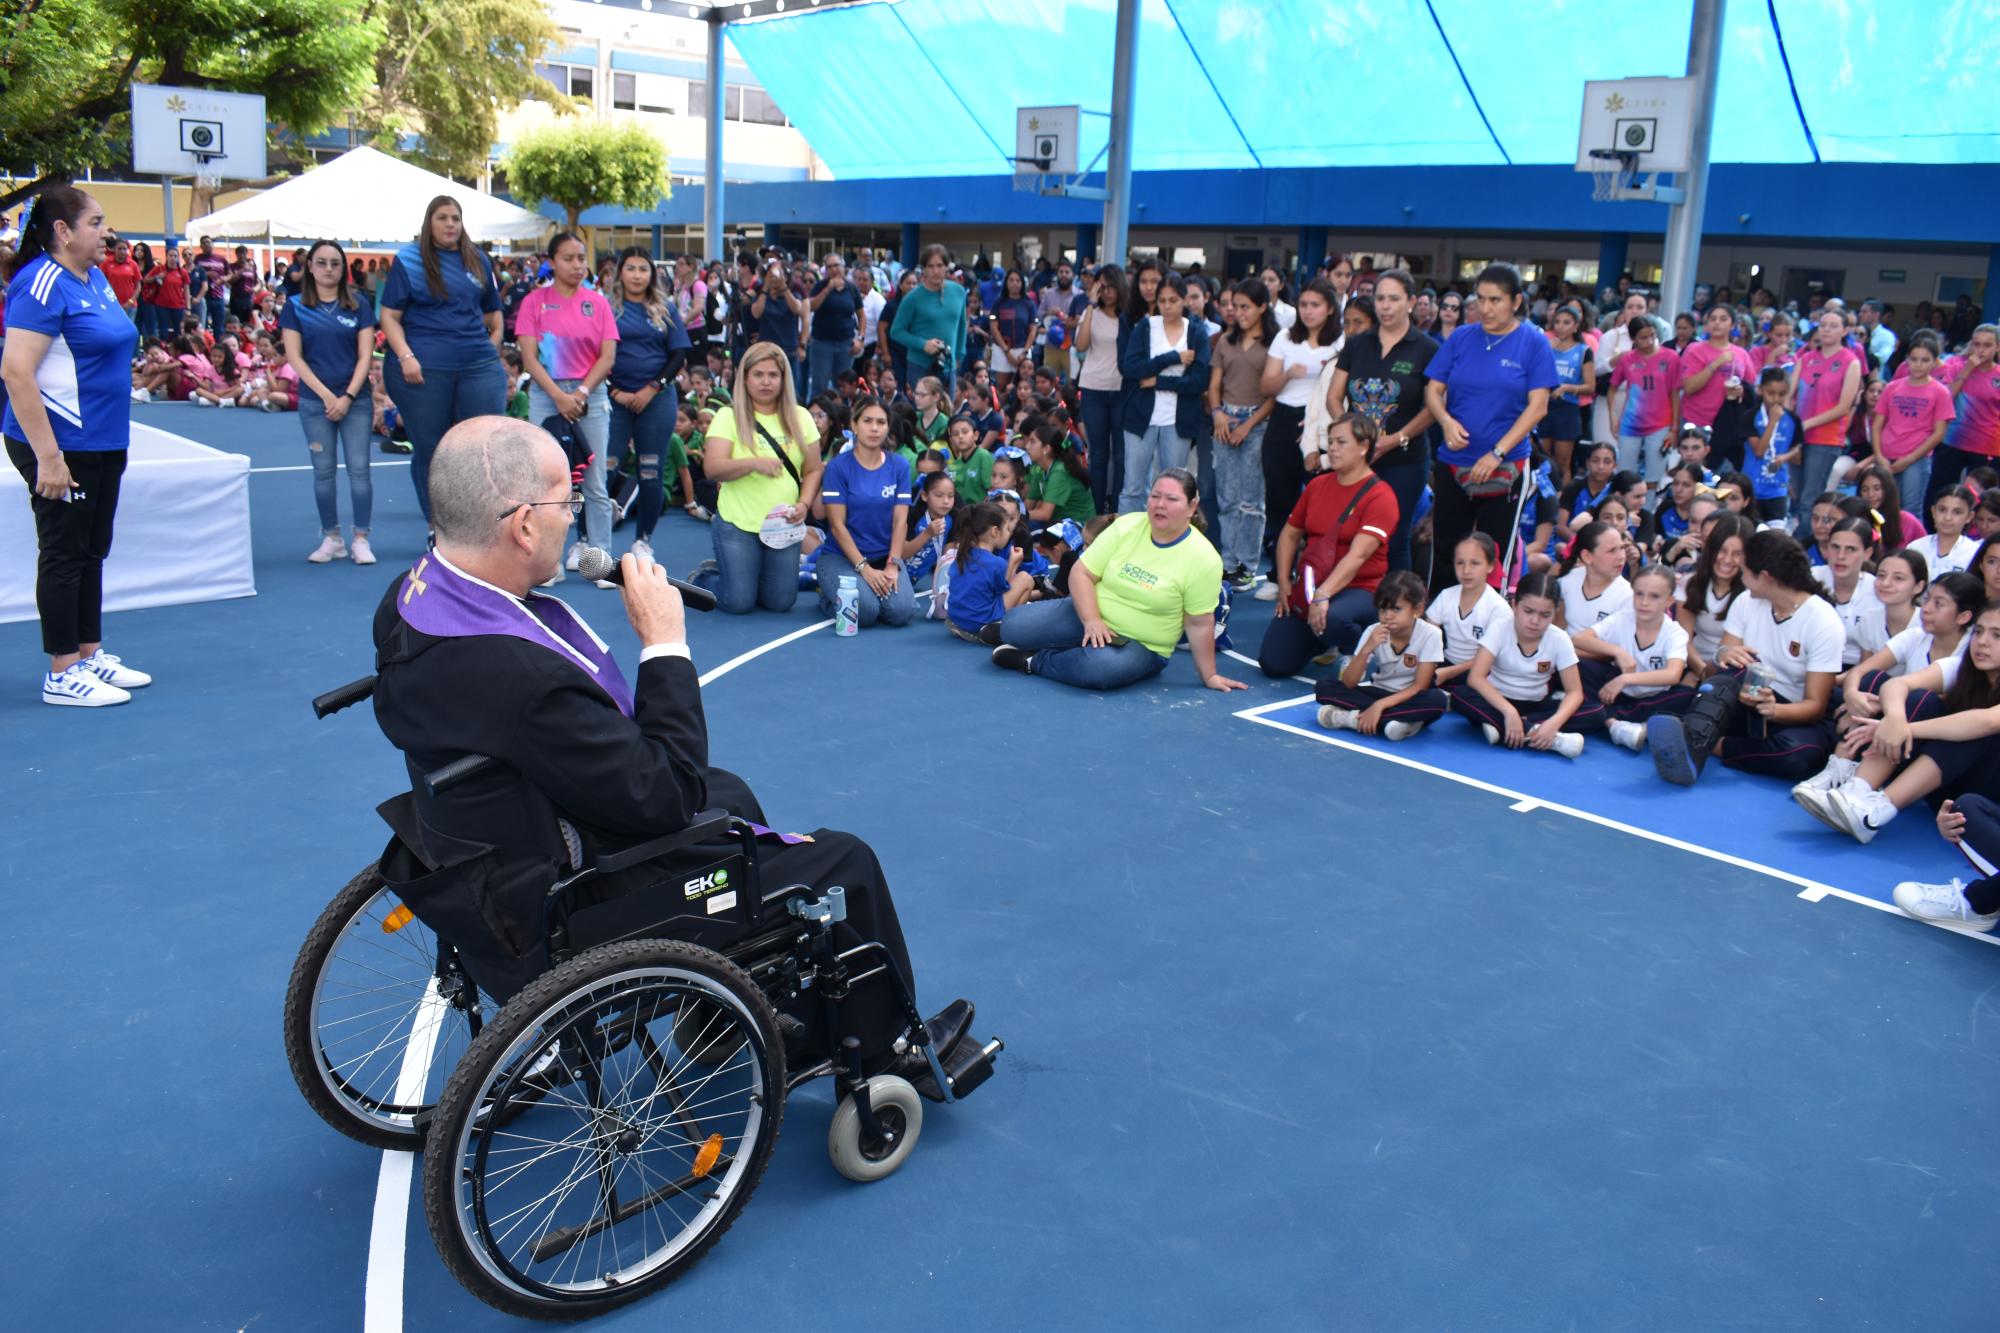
(397, 919)
(705, 1160)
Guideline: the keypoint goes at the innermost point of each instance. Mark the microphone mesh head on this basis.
(596, 563)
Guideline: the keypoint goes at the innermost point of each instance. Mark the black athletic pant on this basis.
(1982, 836)
(1284, 471)
(1628, 707)
(1454, 517)
(72, 537)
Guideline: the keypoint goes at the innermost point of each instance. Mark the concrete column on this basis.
(1312, 249)
(1612, 247)
(1086, 242)
(913, 240)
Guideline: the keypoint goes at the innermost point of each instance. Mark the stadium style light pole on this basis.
(1683, 244)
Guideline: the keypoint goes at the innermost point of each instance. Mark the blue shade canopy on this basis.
(915, 88)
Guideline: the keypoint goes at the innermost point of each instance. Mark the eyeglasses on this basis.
(574, 504)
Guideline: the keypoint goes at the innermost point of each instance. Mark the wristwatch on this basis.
(1499, 454)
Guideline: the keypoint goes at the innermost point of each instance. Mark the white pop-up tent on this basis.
(365, 196)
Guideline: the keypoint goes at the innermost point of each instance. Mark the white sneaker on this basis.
(1861, 810)
(1631, 735)
(698, 512)
(80, 687)
(1835, 774)
(1492, 733)
(1266, 592)
(1818, 802)
(112, 671)
(1337, 719)
(575, 555)
(1942, 905)
(330, 548)
(1568, 744)
(141, 396)
(1401, 731)
(643, 549)
(227, 402)
(360, 551)
(200, 402)
(270, 405)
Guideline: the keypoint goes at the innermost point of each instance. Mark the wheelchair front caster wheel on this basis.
(861, 1156)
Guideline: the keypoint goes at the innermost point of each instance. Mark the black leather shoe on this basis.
(948, 1025)
(989, 634)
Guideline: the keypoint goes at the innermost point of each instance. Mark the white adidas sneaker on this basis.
(111, 669)
(80, 687)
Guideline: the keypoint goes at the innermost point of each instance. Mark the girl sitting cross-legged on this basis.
(1510, 691)
(1399, 658)
(1633, 659)
(1466, 613)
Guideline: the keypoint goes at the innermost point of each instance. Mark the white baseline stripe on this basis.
(306, 467)
(1251, 661)
(387, 1235)
(1813, 890)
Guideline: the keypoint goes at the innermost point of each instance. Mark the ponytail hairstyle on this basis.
(1868, 532)
(1488, 548)
(1586, 538)
(1507, 278)
(1887, 514)
(1967, 593)
(1540, 584)
(1254, 291)
(981, 519)
(1920, 570)
(1782, 560)
(1660, 572)
(1974, 688)
(56, 203)
(1055, 435)
(343, 297)
(469, 254)
(1400, 587)
(1724, 526)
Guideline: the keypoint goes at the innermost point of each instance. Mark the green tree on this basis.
(588, 163)
(67, 66)
(445, 72)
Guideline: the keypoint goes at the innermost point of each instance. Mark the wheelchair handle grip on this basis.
(346, 696)
(457, 771)
(706, 824)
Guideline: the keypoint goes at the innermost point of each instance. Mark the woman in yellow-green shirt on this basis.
(763, 452)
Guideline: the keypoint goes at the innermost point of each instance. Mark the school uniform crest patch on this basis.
(1543, 668)
(1794, 647)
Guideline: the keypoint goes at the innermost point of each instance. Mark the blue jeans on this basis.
(1239, 493)
(1146, 457)
(594, 429)
(215, 312)
(1052, 632)
(1809, 482)
(351, 433)
(1289, 643)
(1641, 454)
(898, 608)
(648, 434)
(1407, 471)
(826, 358)
(1913, 483)
(1100, 435)
(447, 396)
(750, 574)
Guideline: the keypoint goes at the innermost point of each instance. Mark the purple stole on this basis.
(446, 603)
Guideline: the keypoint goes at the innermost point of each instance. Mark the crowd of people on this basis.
(1748, 532)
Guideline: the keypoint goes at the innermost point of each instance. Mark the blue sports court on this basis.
(1303, 1030)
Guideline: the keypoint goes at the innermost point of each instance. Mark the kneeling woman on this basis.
(1633, 659)
(1147, 578)
(1793, 638)
(1400, 658)
(867, 496)
(1953, 754)
(764, 454)
(1511, 690)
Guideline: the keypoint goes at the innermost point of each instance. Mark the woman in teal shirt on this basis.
(930, 321)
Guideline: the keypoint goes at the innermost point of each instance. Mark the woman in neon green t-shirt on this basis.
(1146, 579)
(763, 452)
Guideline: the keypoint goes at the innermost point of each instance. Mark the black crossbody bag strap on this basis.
(779, 450)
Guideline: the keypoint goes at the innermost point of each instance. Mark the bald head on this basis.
(485, 465)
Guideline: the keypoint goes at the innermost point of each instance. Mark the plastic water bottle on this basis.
(847, 615)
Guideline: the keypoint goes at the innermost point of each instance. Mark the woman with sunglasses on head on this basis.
(329, 339)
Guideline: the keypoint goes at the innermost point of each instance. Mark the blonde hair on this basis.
(788, 400)
(656, 295)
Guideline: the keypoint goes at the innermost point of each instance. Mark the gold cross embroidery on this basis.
(415, 586)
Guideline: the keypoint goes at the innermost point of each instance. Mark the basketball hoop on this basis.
(1613, 174)
(205, 177)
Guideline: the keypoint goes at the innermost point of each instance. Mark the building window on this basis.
(576, 80)
(698, 99)
(759, 109)
(740, 102)
(625, 92)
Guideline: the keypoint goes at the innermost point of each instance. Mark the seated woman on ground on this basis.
(1850, 554)
(1772, 721)
(1595, 482)
(1951, 604)
(1390, 684)
(1900, 589)
(1703, 602)
(986, 577)
(1593, 584)
(1149, 577)
(1634, 659)
(1948, 546)
(1973, 826)
(1986, 518)
(1675, 516)
(1952, 754)
(1466, 613)
(1986, 565)
(1511, 691)
(158, 375)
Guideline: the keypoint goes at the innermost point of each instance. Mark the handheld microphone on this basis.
(597, 565)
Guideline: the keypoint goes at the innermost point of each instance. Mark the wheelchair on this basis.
(588, 1140)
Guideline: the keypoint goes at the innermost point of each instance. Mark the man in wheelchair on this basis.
(472, 660)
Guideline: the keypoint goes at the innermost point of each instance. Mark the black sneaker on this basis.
(398, 447)
(989, 634)
(1014, 659)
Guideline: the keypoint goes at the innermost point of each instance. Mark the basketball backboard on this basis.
(1046, 139)
(196, 132)
(1650, 119)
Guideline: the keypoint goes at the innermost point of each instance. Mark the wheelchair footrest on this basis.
(969, 1064)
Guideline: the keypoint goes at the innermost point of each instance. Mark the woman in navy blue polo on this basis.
(652, 347)
(329, 338)
(440, 312)
(68, 427)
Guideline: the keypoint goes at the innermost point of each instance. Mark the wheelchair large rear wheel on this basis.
(581, 1155)
(365, 985)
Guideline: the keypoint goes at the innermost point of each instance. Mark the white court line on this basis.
(387, 1234)
(1811, 890)
(1251, 661)
(307, 467)
(387, 1237)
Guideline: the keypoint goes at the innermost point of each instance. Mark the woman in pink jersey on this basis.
(1714, 372)
(1909, 422)
(1973, 437)
(568, 338)
(1829, 382)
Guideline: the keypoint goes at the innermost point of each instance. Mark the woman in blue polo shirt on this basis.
(867, 496)
(68, 426)
(440, 312)
(1489, 386)
(652, 347)
(329, 336)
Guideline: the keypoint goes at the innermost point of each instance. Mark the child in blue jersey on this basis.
(986, 579)
(930, 525)
(1774, 446)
